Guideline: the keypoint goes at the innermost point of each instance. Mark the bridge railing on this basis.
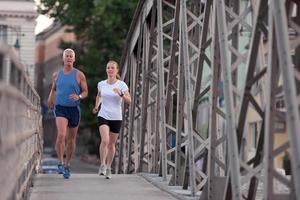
(20, 127)
(207, 79)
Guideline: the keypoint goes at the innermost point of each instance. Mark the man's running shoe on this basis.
(60, 168)
(67, 173)
(102, 170)
(108, 173)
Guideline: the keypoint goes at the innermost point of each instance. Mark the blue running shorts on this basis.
(72, 114)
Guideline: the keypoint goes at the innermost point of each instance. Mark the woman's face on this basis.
(111, 70)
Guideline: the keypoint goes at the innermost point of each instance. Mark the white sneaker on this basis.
(108, 173)
(102, 170)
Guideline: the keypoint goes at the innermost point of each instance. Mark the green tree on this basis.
(101, 27)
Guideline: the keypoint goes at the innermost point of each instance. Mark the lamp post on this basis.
(17, 44)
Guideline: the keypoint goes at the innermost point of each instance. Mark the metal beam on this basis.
(228, 90)
(285, 63)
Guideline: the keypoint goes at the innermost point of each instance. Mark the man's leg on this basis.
(61, 124)
(71, 144)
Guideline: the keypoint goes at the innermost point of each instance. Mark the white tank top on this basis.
(111, 106)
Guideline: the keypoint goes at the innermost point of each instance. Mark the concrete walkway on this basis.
(94, 187)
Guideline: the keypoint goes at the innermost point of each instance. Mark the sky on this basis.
(42, 23)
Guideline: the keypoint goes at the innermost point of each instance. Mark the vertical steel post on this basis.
(285, 63)
(228, 93)
(161, 92)
(188, 96)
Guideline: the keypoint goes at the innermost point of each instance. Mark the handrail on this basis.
(20, 127)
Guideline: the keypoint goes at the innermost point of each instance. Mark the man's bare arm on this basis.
(52, 91)
(83, 85)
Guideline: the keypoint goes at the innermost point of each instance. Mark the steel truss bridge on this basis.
(198, 73)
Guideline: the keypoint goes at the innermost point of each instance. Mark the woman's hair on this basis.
(117, 65)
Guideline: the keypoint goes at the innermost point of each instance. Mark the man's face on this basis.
(69, 58)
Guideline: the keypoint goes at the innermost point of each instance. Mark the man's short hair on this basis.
(69, 50)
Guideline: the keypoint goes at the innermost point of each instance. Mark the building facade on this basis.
(17, 24)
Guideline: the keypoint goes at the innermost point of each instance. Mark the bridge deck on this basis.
(92, 186)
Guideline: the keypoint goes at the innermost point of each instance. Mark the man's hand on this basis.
(74, 97)
(50, 104)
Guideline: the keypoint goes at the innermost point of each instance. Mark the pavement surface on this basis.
(86, 184)
(93, 186)
(77, 166)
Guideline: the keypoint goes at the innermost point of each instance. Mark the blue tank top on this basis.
(66, 84)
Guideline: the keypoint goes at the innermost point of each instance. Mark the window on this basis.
(254, 129)
(1, 66)
(280, 126)
(3, 33)
(280, 103)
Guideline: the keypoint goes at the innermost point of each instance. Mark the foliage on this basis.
(101, 27)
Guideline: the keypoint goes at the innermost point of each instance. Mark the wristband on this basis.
(121, 94)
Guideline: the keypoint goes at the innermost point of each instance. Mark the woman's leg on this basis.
(111, 152)
(103, 148)
(111, 148)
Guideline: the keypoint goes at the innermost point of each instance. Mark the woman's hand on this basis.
(95, 110)
(118, 92)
